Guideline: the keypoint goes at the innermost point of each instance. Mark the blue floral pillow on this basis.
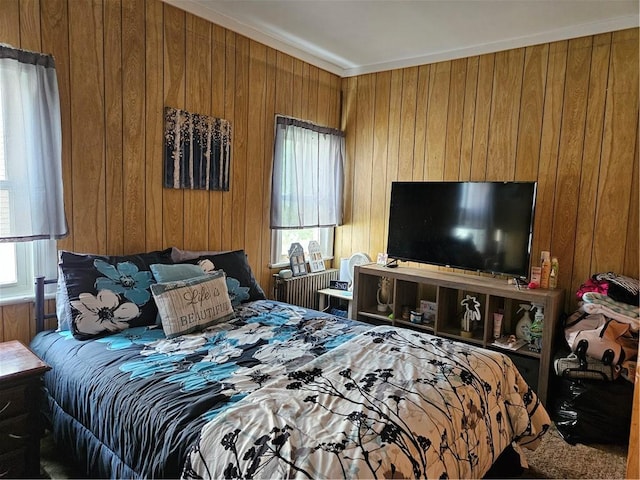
(110, 293)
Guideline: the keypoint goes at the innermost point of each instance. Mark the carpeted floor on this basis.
(554, 458)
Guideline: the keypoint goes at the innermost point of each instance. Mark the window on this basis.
(21, 263)
(31, 209)
(9, 260)
(281, 240)
(15, 258)
(307, 184)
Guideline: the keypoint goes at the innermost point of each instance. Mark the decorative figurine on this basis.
(471, 315)
(384, 294)
(296, 259)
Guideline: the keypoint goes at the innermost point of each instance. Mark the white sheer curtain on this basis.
(31, 196)
(308, 175)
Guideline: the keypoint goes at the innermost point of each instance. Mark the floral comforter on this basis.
(133, 404)
(390, 403)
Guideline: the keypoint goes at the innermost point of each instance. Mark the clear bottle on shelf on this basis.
(535, 331)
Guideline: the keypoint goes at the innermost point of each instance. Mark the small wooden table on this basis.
(20, 378)
(327, 293)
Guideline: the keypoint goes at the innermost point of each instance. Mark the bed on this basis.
(267, 390)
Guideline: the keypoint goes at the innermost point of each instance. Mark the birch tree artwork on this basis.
(197, 151)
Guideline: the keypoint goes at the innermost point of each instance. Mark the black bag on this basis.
(593, 412)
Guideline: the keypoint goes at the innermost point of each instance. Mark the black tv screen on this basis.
(480, 226)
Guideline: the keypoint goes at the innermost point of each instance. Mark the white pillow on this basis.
(192, 304)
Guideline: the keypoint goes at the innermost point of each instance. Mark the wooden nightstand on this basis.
(20, 377)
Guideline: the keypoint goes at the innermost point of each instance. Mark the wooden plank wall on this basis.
(564, 114)
(119, 62)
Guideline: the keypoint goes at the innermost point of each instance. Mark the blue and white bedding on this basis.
(133, 403)
(283, 391)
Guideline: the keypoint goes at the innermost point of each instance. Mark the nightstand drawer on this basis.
(20, 380)
(13, 464)
(13, 401)
(15, 433)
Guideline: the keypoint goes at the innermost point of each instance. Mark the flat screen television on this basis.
(479, 226)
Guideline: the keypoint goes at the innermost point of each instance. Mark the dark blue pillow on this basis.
(236, 266)
(110, 293)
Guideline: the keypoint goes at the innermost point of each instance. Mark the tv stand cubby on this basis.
(446, 291)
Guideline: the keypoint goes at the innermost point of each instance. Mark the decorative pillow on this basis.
(194, 304)
(110, 293)
(171, 273)
(236, 266)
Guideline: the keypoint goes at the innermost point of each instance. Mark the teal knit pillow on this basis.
(171, 273)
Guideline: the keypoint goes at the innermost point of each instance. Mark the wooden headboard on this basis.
(40, 315)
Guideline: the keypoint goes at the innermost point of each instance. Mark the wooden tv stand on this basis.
(447, 290)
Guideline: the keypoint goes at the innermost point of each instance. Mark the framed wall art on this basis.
(197, 151)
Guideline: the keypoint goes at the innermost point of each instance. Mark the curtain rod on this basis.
(26, 56)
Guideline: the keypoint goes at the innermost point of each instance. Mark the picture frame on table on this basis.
(297, 261)
(316, 263)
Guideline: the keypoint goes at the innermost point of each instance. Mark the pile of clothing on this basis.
(596, 367)
(603, 333)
